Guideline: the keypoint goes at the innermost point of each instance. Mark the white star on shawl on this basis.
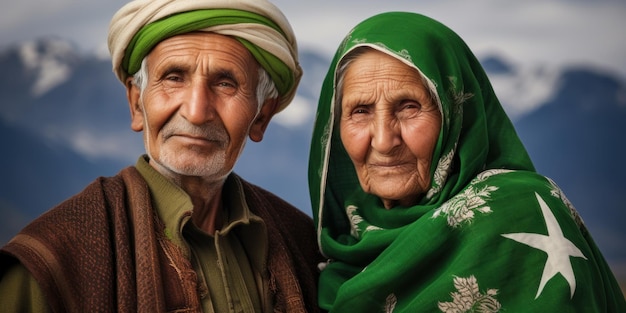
(558, 248)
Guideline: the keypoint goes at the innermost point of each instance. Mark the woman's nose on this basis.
(199, 106)
(385, 135)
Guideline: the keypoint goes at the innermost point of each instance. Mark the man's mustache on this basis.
(208, 131)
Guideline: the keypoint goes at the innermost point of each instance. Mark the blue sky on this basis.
(551, 32)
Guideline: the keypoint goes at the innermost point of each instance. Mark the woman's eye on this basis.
(409, 109)
(360, 109)
(360, 113)
(411, 105)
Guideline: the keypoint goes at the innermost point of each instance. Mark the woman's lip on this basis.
(387, 161)
(388, 164)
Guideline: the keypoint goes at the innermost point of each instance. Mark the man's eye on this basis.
(226, 84)
(174, 78)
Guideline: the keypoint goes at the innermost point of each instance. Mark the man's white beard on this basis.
(174, 161)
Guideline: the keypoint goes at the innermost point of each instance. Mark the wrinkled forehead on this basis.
(355, 51)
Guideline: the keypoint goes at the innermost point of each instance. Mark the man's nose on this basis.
(199, 106)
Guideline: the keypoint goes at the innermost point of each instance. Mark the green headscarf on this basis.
(450, 251)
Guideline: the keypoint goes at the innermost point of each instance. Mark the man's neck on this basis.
(207, 209)
(205, 194)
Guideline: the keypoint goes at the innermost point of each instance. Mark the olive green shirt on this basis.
(230, 263)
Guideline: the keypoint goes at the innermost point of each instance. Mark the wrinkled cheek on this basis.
(149, 146)
(364, 178)
(147, 132)
(150, 139)
(424, 170)
(356, 147)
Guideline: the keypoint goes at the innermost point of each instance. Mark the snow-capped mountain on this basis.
(521, 89)
(64, 120)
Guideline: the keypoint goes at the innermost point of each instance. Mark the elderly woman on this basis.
(424, 197)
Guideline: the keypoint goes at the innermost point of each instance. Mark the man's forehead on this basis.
(203, 49)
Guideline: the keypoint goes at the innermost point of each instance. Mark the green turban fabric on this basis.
(259, 25)
(489, 235)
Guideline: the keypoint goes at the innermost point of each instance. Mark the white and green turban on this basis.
(259, 25)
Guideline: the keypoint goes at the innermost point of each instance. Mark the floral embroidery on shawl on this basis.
(488, 173)
(444, 166)
(462, 206)
(325, 142)
(468, 298)
(390, 303)
(441, 173)
(558, 193)
(355, 220)
(458, 97)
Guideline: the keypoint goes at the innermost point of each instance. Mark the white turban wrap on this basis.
(279, 43)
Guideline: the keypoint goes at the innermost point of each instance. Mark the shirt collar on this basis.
(174, 207)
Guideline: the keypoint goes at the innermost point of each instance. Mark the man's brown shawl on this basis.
(103, 250)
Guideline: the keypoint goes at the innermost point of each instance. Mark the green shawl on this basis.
(490, 235)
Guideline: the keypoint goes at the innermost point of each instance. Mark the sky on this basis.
(550, 32)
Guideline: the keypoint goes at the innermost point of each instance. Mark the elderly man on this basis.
(179, 231)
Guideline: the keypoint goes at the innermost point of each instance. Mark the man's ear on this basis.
(259, 125)
(133, 96)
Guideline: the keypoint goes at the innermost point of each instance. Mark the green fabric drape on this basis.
(459, 249)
